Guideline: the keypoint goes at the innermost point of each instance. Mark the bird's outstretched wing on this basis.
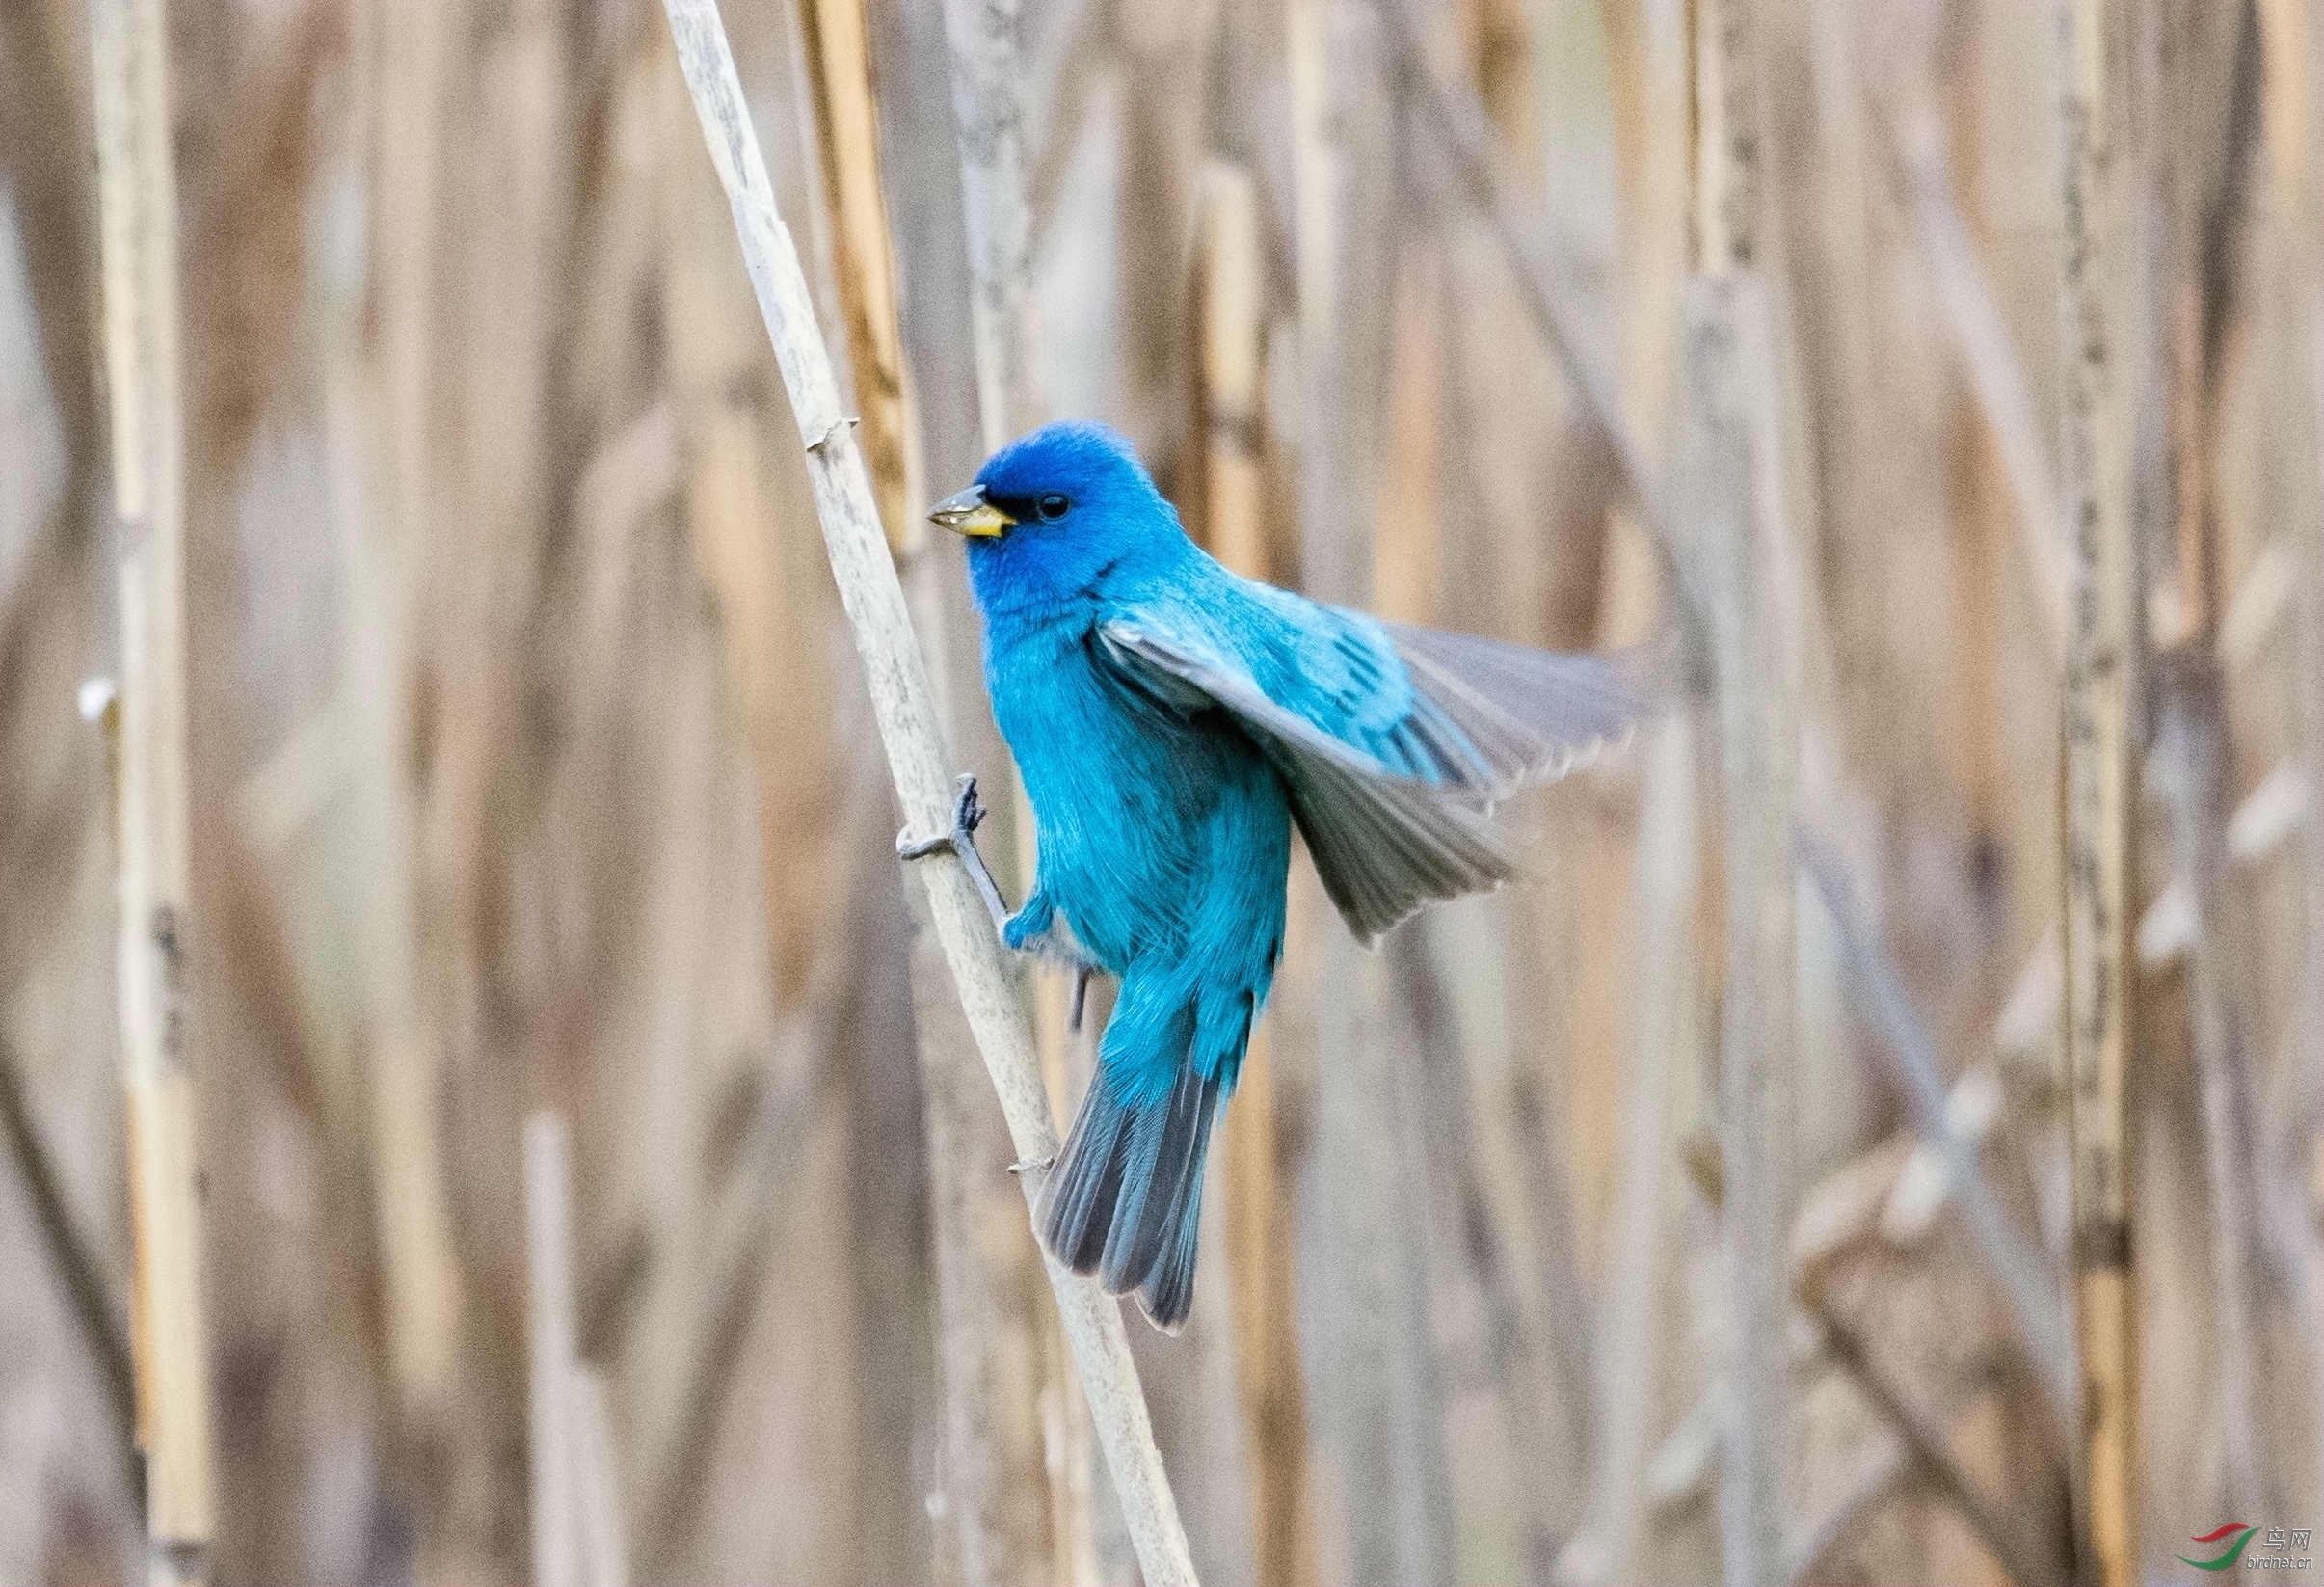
(1393, 742)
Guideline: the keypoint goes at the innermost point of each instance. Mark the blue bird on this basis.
(1172, 722)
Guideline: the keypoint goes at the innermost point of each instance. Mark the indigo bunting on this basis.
(1172, 722)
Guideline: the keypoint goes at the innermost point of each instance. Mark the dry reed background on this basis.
(600, 1181)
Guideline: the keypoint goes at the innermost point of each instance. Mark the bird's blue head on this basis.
(1055, 514)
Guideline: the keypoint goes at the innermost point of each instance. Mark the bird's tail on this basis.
(1124, 1199)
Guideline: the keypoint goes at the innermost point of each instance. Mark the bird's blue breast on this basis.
(1139, 809)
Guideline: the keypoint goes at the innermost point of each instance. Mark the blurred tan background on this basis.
(530, 771)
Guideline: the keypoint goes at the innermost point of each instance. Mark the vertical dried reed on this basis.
(552, 1352)
(1229, 396)
(1733, 414)
(1757, 756)
(1660, 1041)
(901, 698)
(169, 1334)
(577, 1537)
(597, 1491)
(838, 58)
(988, 100)
(2099, 814)
(424, 1283)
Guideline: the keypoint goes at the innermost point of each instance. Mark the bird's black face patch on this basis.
(1035, 507)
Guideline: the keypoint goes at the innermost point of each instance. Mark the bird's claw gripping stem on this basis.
(967, 816)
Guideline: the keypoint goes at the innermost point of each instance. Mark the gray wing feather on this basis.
(1383, 843)
(1533, 715)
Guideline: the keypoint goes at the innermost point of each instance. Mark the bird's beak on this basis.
(966, 512)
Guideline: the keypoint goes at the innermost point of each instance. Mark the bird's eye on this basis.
(1052, 507)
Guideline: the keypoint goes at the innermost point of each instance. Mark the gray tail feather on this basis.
(1125, 1201)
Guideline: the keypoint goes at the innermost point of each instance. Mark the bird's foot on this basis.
(1041, 1167)
(1039, 929)
(968, 814)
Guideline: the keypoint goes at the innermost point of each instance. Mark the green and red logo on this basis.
(2235, 1529)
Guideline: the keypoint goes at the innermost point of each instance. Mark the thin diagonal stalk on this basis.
(1564, 307)
(1560, 303)
(2199, 175)
(2193, 750)
(1931, 1451)
(1914, 142)
(2032, 1298)
(979, 1304)
(79, 1271)
(901, 702)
